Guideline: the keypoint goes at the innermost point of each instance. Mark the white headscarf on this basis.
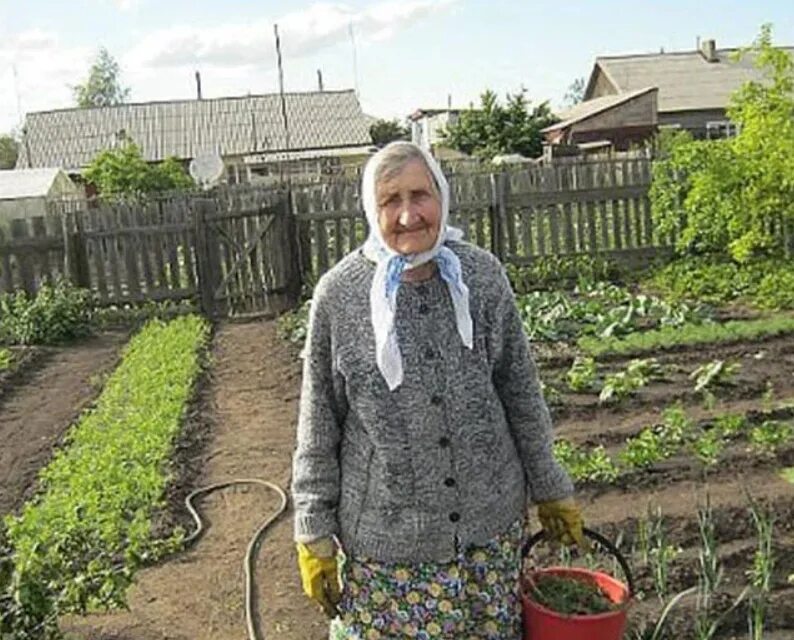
(391, 264)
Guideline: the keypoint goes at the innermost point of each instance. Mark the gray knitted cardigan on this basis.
(448, 459)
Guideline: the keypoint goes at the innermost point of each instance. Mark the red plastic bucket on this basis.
(541, 623)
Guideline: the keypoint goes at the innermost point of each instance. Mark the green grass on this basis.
(77, 544)
(788, 474)
(689, 335)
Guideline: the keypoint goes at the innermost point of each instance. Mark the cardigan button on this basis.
(454, 516)
(443, 441)
(430, 353)
(436, 400)
(449, 482)
(423, 308)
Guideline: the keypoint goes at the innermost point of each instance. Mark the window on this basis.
(721, 129)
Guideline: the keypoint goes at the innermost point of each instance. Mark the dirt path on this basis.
(199, 594)
(40, 403)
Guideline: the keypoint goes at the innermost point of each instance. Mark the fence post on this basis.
(295, 275)
(205, 271)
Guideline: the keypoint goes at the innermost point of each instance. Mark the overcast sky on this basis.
(400, 55)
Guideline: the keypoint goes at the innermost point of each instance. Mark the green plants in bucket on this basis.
(570, 603)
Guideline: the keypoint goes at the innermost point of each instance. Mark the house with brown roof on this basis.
(691, 91)
(324, 129)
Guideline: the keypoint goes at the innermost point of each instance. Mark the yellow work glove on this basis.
(317, 563)
(562, 520)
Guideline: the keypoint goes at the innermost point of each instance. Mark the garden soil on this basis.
(40, 399)
(242, 427)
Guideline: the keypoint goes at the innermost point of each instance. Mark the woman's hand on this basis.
(562, 520)
(319, 576)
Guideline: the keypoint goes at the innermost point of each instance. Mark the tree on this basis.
(102, 88)
(385, 131)
(123, 171)
(493, 129)
(9, 151)
(729, 196)
(575, 93)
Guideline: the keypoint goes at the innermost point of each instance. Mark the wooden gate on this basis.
(246, 253)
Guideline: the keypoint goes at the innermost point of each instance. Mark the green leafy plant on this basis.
(587, 466)
(57, 313)
(6, 359)
(77, 544)
(292, 325)
(637, 374)
(729, 425)
(582, 374)
(708, 447)
(713, 374)
(643, 450)
(676, 426)
(770, 435)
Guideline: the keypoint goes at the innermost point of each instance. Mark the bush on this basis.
(57, 313)
(726, 196)
(766, 284)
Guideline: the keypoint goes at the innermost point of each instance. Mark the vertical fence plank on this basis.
(554, 227)
(111, 243)
(131, 253)
(541, 213)
(19, 232)
(42, 257)
(5, 257)
(169, 212)
(320, 233)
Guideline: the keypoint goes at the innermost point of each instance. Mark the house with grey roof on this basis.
(248, 132)
(628, 97)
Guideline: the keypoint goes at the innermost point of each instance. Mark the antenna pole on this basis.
(281, 93)
(355, 57)
(16, 91)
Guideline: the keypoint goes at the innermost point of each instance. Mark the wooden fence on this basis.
(588, 208)
(233, 254)
(248, 250)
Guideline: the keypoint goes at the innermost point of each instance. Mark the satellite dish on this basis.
(206, 168)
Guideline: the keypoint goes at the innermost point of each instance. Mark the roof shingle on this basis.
(70, 138)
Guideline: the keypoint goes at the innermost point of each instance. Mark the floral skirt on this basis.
(473, 597)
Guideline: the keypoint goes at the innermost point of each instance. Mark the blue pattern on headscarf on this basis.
(394, 271)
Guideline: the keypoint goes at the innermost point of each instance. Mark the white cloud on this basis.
(302, 33)
(45, 70)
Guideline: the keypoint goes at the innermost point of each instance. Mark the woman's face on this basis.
(409, 209)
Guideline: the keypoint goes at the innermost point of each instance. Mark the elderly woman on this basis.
(422, 433)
